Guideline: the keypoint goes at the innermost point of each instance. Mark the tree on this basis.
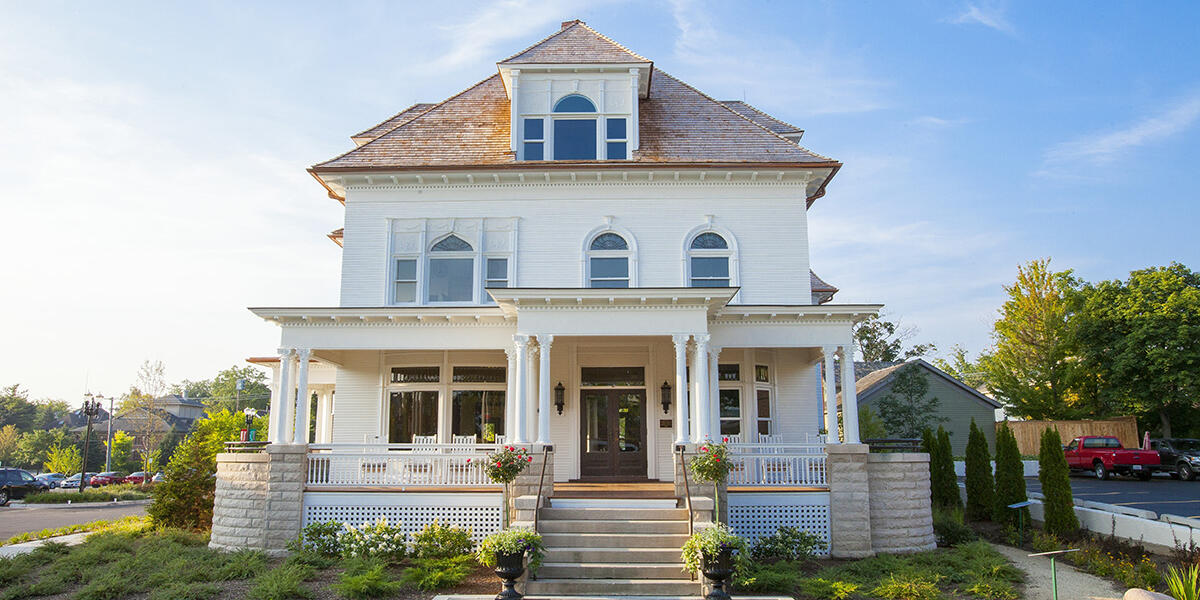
(9, 436)
(869, 425)
(1010, 478)
(63, 459)
(1055, 477)
(185, 498)
(907, 409)
(981, 489)
(1032, 368)
(142, 407)
(15, 408)
(962, 368)
(256, 392)
(943, 484)
(883, 341)
(192, 389)
(121, 452)
(33, 447)
(1141, 337)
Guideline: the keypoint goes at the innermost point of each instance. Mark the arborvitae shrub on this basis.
(947, 480)
(1056, 486)
(981, 490)
(1010, 478)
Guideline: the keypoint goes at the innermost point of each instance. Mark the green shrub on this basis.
(949, 527)
(429, 574)
(943, 485)
(106, 586)
(309, 558)
(1010, 479)
(242, 564)
(366, 578)
(992, 590)
(388, 542)
(981, 489)
(107, 494)
(1046, 542)
(185, 591)
(441, 541)
(1055, 477)
(787, 543)
(824, 589)
(322, 538)
(909, 586)
(780, 577)
(1184, 584)
(284, 582)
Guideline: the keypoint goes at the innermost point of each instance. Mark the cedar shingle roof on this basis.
(391, 122)
(762, 118)
(575, 43)
(818, 284)
(677, 125)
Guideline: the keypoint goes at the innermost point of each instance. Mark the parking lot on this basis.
(19, 518)
(1161, 494)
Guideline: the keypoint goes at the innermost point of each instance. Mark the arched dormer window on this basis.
(451, 270)
(574, 103)
(711, 259)
(610, 259)
(575, 138)
(575, 129)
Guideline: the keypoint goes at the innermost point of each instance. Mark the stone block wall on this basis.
(849, 500)
(901, 516)
(528, 481)
(259, 498)
(701, 493)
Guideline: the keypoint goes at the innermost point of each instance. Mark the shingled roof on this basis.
(575, 43)
(391, 123)
(762, 118)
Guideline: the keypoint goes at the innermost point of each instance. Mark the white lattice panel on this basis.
(478, 512)
(753, 516)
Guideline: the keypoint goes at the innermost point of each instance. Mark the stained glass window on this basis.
(452, 244)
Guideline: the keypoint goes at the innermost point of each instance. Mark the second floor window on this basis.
(451, 271)
(608, 261)
(708, 261)
(575, 130)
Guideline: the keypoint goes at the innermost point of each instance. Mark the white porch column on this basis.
(831, 420)
(303, 402)
(510, 395)
(282, 399)
(681, 403)
(544, 343)
(703, 395)
(849, 396)
(322, 409)
(714, 391)
(520, 345)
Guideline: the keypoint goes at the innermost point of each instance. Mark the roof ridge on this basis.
(384, 122)
(742, 117)
(563, 30)
(757, 110)
(408, 122)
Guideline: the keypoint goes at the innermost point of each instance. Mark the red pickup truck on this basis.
(1104, 455)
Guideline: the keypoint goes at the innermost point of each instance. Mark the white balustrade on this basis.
(397, 465)
(778, 465)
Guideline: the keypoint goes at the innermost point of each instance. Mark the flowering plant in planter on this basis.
(712, 465)
(505, 465)
(509, 542)
(711, 542)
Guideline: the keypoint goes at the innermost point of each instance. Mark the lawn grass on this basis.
(126, 491)
(124, 523)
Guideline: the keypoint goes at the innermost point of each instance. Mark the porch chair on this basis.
(420, 470)
(459, 467)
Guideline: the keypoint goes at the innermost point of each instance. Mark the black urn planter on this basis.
(717, 569)
(509, 568)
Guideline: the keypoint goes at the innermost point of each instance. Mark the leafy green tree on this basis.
(15, 408)
(9, 436)
(63, 459)
(907, 409)
(1032, 367)
(1055, 477)
(33, 447)
(1141, 337)
(1010, 478)
(880, 340)
(869, 425)
(981, 489)
(256, 390)
(185, 498)
(48, 414)
(961, 367)
(122, 458)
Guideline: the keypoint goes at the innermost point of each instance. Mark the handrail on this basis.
(687, 494)
(537, 506)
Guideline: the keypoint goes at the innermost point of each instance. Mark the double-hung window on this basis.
(608, 261)
(535, 139)
(616, 138)
(451, 271)
(708, 261)
(577, 131)
(405, 281)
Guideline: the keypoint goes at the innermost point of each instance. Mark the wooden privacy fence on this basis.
(1029, 433)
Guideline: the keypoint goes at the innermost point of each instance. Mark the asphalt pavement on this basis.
(1161, 494)
(20, 518)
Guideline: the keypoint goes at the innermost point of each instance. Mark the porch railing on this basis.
(778, 465)
(397, 465)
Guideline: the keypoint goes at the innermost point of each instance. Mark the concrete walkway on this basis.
(15, 549)
(1073, 584)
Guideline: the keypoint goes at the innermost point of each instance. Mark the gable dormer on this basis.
(574, 96)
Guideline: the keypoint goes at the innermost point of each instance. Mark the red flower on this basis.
(718, 460)
(497, 463)
(468, 460)
(704, 448)
(530, 459)
(726, 440)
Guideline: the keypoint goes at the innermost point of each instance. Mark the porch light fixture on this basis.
(560, 394)
(666, 397)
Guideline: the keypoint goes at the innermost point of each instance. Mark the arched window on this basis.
(451, 270)
(608, 261)
(709, 258)
(575, 129)
(574, 103)
(575, 139)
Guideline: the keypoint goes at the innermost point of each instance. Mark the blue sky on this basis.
(154, 153)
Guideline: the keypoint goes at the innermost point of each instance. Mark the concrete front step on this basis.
(614, 540)
(614, 514)
(614, 503)
(573, 570)
(612, 587)
(644, 527)
(612, 555)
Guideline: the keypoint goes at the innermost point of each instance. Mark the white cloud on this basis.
(766, 68)
(1104, 148)
(988, 14)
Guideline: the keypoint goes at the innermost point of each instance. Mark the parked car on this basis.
(17, 483)
(1180, 456)
(138, 477)
(73, 481)
(106, 478)
(53, 479)
(1104, 455)
(158, 477)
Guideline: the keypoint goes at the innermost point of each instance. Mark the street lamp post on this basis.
(91, 408)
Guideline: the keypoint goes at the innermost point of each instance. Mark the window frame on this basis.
(730, 253)
(416, 281)
(431, 255)
(630, 254)
(484, 297)
(600, 117)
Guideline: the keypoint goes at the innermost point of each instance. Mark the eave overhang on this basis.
(645, 69)
(811, 313)
(381, 315)
(512, 300)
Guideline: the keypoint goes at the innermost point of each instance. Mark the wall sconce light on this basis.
(560, 397)
(666, 397)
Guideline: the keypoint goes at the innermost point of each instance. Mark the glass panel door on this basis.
(412, 413)
(594, 461)
(613, 434)
(631, 434)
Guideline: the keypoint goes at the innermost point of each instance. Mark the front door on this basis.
(614, 435)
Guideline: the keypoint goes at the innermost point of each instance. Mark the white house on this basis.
(579, 253)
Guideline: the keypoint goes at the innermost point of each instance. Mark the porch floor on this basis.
(649, 490)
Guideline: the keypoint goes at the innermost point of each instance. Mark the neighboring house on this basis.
(583, 256)
(175, 414)
(958, 402)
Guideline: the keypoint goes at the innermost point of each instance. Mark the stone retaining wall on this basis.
(259, 499)
(528, 481)
(901, 516)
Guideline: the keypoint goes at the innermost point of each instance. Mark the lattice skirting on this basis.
(478, 512)
(753, 516)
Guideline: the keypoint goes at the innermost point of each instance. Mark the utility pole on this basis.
(90, 409)
(237, 395)
(108, 444)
